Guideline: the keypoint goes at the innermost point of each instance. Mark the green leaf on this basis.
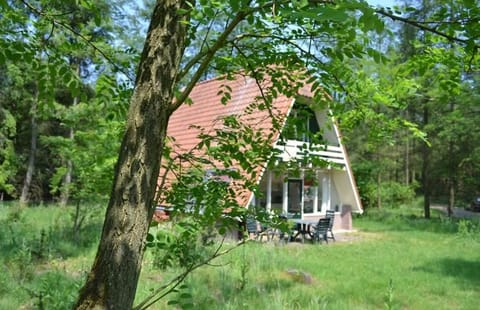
(470, 3)
(4, 4)
(209, 12)
(185, 296)
(300, 3)
(235, 5)
(98, 20)
(379, 26)
(222, 231)
(331, 14)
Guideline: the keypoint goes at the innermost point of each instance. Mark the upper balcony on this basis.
(294, 149)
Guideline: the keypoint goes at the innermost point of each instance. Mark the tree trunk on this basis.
(112, 282)
(33, 151)
(407, 155)
(425, 170)
(451, 171)
(67, 179)
(451, 197)
(379, 191)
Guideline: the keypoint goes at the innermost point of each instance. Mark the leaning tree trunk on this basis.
(112, 282)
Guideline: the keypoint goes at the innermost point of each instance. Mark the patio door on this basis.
(295, 194)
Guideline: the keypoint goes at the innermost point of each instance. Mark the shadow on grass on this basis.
(463, 270)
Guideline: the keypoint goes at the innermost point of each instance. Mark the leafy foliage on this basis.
(39, 38)
(71, 89)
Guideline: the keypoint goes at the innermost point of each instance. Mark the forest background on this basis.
(408, 109)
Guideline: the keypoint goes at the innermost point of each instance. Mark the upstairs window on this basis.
(302, 125)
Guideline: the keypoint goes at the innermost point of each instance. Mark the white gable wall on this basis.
(329, 133)
(337, 186)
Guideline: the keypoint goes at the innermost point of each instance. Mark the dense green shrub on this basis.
(395, 194)
(390, 194)
(467, 228)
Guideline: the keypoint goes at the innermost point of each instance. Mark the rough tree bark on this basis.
(112, 282)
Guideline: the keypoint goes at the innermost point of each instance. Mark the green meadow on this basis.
(394, 259)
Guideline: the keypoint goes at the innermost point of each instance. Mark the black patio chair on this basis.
(321, 229)
(259, 231)
(331, 215)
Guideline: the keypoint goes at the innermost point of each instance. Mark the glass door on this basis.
(295, 193)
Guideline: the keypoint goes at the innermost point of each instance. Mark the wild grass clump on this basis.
(53, 290)
(40, 256)
(468, 229)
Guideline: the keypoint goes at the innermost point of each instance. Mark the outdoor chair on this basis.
(254, 227)
(331, 215)
(321, 230)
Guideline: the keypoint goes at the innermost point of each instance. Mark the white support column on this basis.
(268, 206)
(315, 193)
(285, 197)
(302, 194)
(329, 189)
(326, 194)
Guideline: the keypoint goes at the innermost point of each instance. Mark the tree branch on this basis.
(153, 298)
(208, 56)
(299, 48)
(210, 53)
(422, 26)
(78, 34)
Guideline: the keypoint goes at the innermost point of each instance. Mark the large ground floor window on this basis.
(297, 196)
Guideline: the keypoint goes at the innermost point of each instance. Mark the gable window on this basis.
(302, 125)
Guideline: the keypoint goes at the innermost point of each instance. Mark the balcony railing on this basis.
(293, 149)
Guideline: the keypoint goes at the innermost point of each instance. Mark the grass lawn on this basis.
(395, 260)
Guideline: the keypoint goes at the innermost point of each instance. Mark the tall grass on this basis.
(396, 260)
(42, 264)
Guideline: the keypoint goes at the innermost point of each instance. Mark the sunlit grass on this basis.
(395, 258)
(429, 264)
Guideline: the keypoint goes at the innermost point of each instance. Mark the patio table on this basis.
(303, 227)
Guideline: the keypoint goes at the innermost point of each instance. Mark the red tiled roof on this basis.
(207, 110)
